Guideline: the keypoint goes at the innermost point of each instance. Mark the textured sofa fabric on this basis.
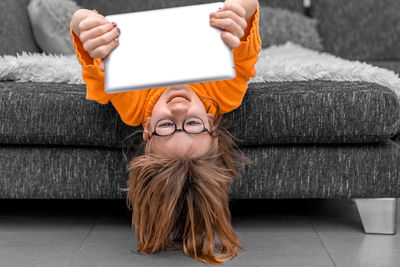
(390, 65)
(123, 6)
(56, 114)
(316, 139)
(278, 171)
(15, 30)
(362, 30)
(292, 5)
(271, 113)
(279, 25)
(316, 112)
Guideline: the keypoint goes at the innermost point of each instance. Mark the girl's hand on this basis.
(98, 36)
(230, 19)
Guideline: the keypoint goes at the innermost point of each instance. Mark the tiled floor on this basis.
(272, 232)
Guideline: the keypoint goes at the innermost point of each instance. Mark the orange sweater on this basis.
(135, 106)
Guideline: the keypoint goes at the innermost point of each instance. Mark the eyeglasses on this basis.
(191, 125)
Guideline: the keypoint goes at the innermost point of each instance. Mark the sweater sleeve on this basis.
(91, 74)
(229, 93)
(129, 105)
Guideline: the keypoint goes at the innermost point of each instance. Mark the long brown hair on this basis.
(183, 203)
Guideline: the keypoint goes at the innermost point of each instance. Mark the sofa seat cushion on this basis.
(271, 113)
(333, 171)
(393, 66)
(56, 114)
(301, 171)
(319, 112)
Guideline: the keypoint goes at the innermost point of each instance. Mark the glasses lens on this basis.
(194, 125)
(165, 127)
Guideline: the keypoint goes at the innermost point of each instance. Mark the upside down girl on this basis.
(178, 189)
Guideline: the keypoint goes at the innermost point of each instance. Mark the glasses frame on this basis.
(179, 130)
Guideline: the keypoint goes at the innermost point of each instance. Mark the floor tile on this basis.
(272, 232)
(279, 241)
(269, 238)
(29, 240)
(113, 243)
(348, 245)
(43, 232)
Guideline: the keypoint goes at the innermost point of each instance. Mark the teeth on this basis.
(177, 98)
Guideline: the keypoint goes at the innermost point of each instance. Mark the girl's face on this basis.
(178, 103)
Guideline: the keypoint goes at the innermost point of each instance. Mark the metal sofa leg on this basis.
(378, 215)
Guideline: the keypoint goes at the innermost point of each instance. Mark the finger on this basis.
(230, 40)
(225, 14)
(228, 25)
(91, 22)
(104, 50)
(236, 8)
(97, 31)
(102, 40)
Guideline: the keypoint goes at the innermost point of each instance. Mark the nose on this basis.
(178, 113)
(179, 110)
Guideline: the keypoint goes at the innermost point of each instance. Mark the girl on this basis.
(179, 188)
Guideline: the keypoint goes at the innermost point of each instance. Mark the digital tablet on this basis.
(165, 47)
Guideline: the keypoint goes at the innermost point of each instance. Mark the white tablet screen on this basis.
(167, 47)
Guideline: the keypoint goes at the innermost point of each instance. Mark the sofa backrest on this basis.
(15, 30)
(360, 29)
(107, 7)
(17, 36)
(352, 29)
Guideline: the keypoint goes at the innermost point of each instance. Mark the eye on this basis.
(166, 124)
(193, 123)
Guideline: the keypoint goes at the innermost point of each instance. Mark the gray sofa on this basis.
(316, 139)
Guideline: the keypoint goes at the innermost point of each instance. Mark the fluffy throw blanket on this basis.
(288, 62)
(292, 62)
(36, 67)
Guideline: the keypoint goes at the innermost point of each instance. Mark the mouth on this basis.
(178, 97)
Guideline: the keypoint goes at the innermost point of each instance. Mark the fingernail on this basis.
(114, 24)
(116, 40)
(118, 30)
